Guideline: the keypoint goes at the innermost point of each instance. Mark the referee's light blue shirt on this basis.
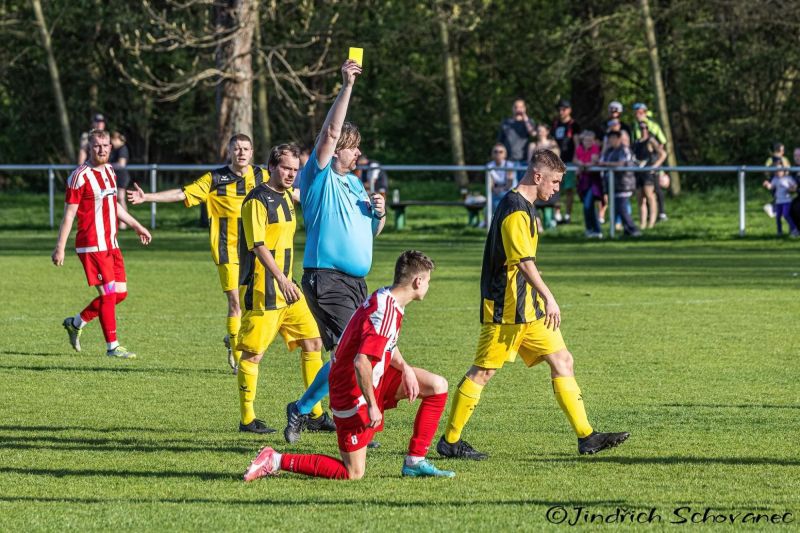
(338, 219)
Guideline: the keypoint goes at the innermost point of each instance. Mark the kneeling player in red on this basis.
(369, 375)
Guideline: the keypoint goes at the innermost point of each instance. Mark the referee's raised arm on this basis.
(332, 127)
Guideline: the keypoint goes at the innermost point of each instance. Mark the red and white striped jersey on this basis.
(373, 331)
(95, 192)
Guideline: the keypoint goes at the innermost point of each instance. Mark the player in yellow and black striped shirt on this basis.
(272, 302)
(520, 316)
(223, 191)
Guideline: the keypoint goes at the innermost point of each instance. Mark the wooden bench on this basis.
(399, 209)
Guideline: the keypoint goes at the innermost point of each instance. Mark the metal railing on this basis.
(153, 170)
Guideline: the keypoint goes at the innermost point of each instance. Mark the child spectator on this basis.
(648, 153)
(590, 184)
(502, 180)
(617, 155)
(776, 159)
(545, 142)
(794, 210)
(119, 158)
(782, 185)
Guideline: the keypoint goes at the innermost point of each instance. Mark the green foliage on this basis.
(732, 86)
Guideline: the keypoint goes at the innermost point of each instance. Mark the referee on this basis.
(341, 221)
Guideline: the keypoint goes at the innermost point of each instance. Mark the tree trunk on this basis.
(263, 109)
(661, 98)
(233, 57)
(55, 79)
(453, 115)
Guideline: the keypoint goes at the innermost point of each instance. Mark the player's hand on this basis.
(144, 235)
(136, 195)
(58, 257)
(350, 70)
(291, 293)
(375, 416)
(378, 204)
(552, 315)
(410, 383)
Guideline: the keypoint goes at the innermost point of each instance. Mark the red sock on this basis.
(314, 465)
(91, 311)
(108, 318)
(428, 415)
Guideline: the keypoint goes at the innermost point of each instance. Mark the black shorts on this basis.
(333, 297)
(645, 178)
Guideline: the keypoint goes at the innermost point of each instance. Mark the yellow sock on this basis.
(247, 377)
(233, 324)
(569, 397)
(467, 397)
(310, 363)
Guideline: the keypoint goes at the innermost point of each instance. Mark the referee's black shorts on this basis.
(333, 297)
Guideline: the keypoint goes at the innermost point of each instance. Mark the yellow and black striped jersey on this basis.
(223, 192)
(268, 219)
(506, 297)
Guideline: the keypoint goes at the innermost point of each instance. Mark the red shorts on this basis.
(103, 267)
(354, 432)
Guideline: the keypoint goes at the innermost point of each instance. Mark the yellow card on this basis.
(356, 54)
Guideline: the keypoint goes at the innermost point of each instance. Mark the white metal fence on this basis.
(153, 171)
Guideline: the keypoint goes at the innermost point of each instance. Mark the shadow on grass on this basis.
(317, 502)
(675, 460)
(732, 406)
(121, 473)
(15, 352)
(120, 369)
(113, 429)
(122, 444)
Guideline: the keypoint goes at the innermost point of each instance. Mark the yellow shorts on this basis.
(294, 322)
(500, 343)
(228, 276)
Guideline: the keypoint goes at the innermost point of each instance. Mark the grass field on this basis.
(687, 339)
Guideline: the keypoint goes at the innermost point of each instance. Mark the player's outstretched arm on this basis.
(332, 127)
(363, 370)
(70, 210)
(127, 218)
(552, 313)
(137, 196)
(410, 381)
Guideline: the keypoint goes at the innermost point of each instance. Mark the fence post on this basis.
(612, 206)
(153, 187)
(741, 203)
(489, 206)
(51, 189)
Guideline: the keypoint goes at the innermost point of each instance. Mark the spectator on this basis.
(502, 180)
(794, 210)
(564, 131)
(590, 184)
(119, 161)
(544, 142)
(616, 124)
(654, 129)
(514, 133)
(305, 153)
(615, 113)
(617, 155)
(776, 159)
(782, 185)
(98, 123)
(373, 177)
(648, 153)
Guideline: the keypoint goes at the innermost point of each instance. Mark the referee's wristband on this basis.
(379, 217)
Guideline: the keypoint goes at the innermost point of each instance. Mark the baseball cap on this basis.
(98, 117)
(614, 122)
(563, 103)
(615, 106)
(638, 105)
